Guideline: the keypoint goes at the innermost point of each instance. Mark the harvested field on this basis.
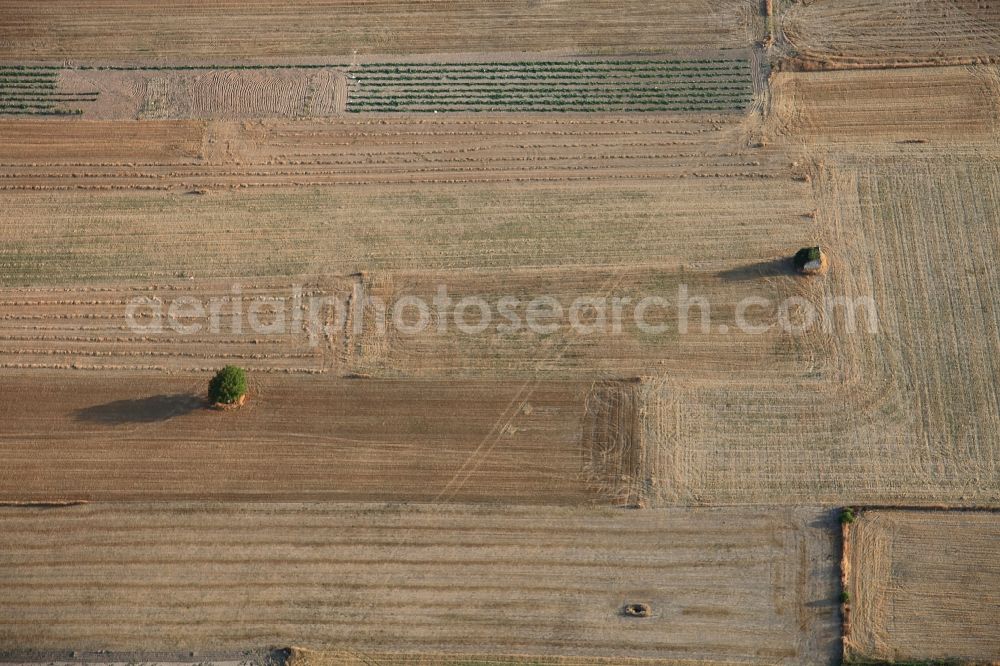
(80, 237)
(259, 30)
(953, 104)
(908, 413)
(462, 149)
(924, 585)
(306, 657)
(589, 209)
(198, 576)
(142, 436)
(129, 327)
(586, 333)
(845, 33)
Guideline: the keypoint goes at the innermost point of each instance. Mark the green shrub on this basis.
(804, 256)
(845, 597)
(847, 516)
(228, 385)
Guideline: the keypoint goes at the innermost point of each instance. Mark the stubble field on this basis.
(924, 585)
(495, 496)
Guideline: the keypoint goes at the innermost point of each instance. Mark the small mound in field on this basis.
(637, 610)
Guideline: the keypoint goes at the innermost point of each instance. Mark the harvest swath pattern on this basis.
(87, 328)
(924, 585)
(570, 85)
(32, 91)
(213, 30)
(839, 33)
(443, 579)
(363, 150)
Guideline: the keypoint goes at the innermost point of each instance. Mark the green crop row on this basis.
(547, 109)
(170, 68)
(556, 63)
(28, 74)
(27, 86)
(35, 82)
(407, 104)
(536, 102)
(611, 89)
(540, 77)
(541, 70)
(44, 98)
(519, 94)
(40, 112)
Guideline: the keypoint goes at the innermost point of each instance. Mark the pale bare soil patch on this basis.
(924, 585)
(726, 585)
(260, 30)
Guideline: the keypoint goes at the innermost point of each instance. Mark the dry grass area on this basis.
(846, 33)
(231, 29)
(88, 327)
(726, 585)
(924, 585)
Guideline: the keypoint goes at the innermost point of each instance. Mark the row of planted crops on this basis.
(35, 91)
(567, 85)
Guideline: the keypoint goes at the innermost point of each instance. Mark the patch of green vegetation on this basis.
(228, 385)
(552, 86)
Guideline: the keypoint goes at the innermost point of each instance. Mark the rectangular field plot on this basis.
(846, 33)
(924, 585)
(882, 106)
(623, 85)
(255, 30)
(724, 585)
(125, 435)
